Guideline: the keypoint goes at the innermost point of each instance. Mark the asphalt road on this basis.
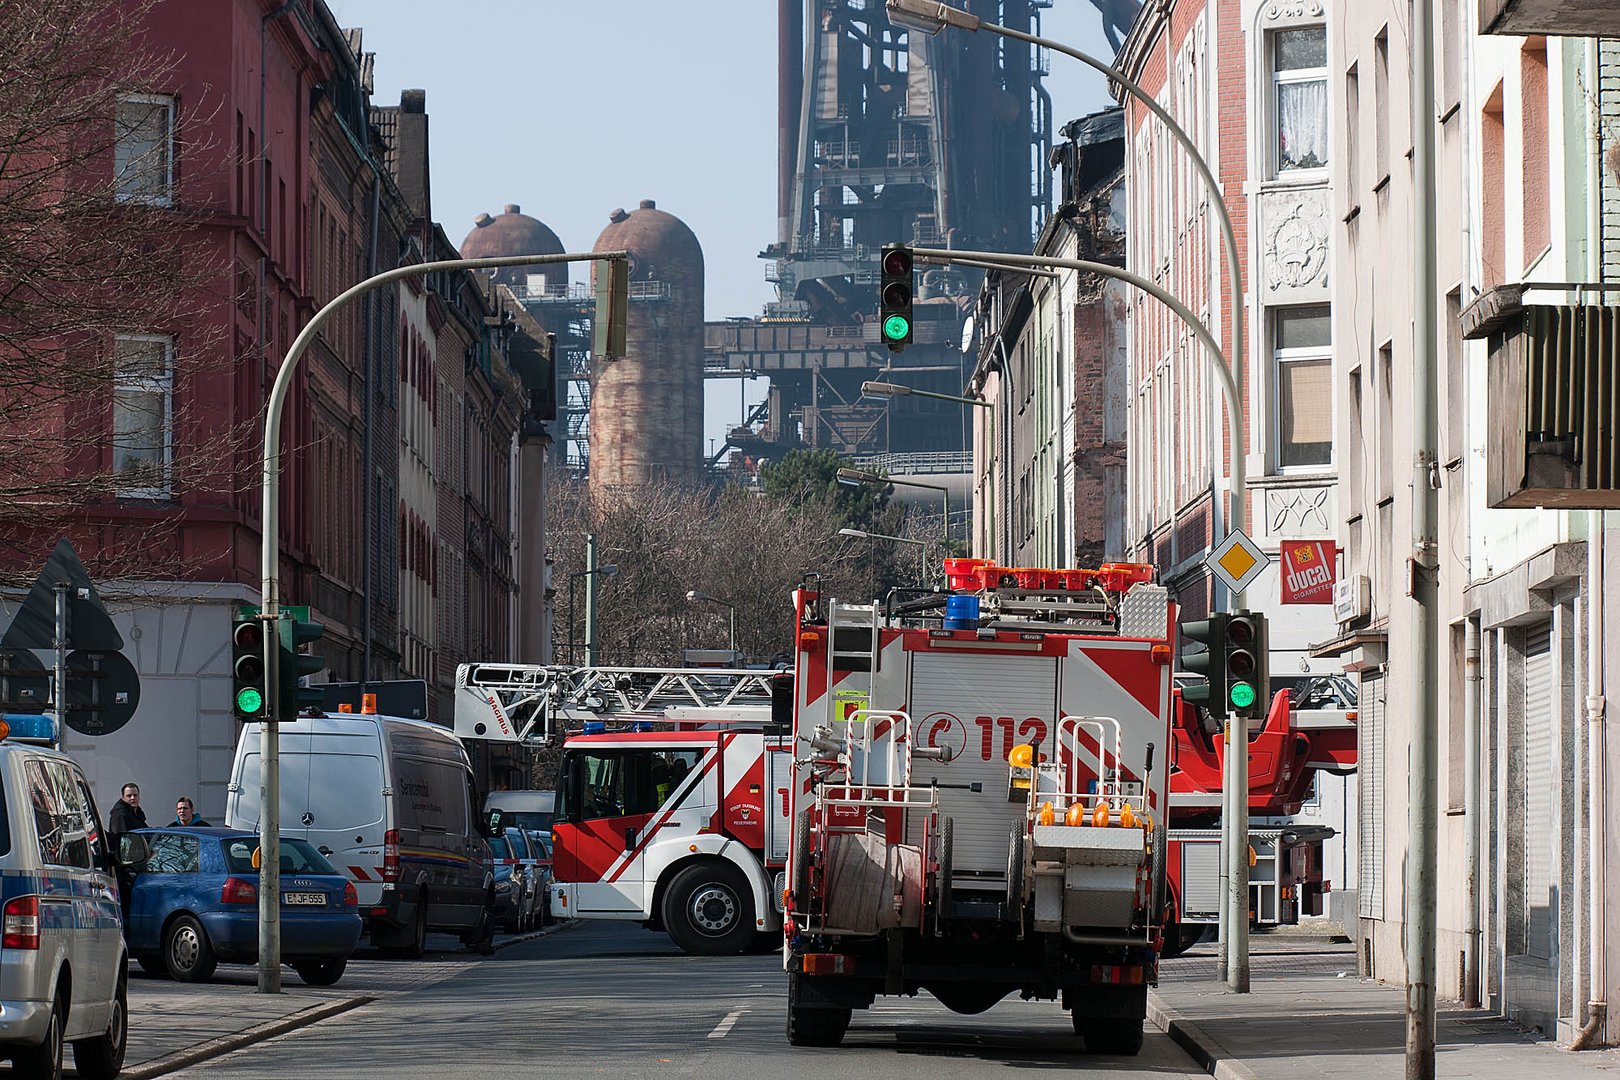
(614, 1000)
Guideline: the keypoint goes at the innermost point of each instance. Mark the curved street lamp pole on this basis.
(270, 578)
(1235, 810)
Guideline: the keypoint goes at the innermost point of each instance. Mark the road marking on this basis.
(723, 1028)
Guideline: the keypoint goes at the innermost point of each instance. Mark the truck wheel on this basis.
(1015, 872)
(1161, 864)
(43, 1060)
(801, 863)
(942, 888)
(709, 910)
(1117, 1037)
(813, 1027)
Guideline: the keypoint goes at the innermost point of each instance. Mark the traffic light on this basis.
(1211, 663)
(247, 665)
(293, 631)
(895, 288)
(610, 323)
(1248, 686)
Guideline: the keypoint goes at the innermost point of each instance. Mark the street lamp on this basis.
(590, 614)
(861, 476)
(731, 610)
(888, 389)
(922, 546)
(932, 16)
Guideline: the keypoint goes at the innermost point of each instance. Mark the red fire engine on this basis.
(978, 798)
(672, 792)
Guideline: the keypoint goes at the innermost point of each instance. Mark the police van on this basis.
(62, 955)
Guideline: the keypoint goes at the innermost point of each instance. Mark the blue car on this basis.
(195, 902)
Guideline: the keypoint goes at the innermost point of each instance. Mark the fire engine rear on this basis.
(976, 806)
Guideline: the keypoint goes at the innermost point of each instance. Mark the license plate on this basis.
(313, 898)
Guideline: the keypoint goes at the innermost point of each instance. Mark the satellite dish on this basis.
(967, 335)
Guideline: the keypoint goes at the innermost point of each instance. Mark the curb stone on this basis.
(214, 1048)
(1211, 1056)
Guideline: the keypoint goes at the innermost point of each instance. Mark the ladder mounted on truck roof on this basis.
(535, 703)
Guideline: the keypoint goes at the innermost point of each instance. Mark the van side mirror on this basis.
(494, 825)
(133, 851)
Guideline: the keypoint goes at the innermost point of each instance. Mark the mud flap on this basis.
(894, 963)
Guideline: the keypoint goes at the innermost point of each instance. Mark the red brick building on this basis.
(279, 182)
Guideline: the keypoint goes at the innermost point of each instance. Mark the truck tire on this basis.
(808, 1026)
(801, 863)
(1161, 865)
(942, 886)
(1015, 872)
(1115, 1036)
(709, 909)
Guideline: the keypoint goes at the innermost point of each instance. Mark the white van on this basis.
(391, 803)
(529, 810)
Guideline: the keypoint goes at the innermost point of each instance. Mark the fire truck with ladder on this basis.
(672, 791)
(675, 806)
(979, 789)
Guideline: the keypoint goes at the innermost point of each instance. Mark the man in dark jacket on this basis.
(126, 816)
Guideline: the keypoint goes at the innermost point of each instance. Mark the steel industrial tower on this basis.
(885, 136)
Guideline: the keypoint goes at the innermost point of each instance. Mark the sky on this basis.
(572, 108)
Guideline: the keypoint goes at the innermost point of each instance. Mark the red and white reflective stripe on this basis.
(359, 873)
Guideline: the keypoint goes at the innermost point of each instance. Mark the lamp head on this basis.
(856, 533)
(884, 389)
(929, 16)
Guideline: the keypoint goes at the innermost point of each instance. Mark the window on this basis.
(143, 380)
(1299, 75)
(1352, 133)
(173, 854)
(143, 154)
(61, 823)
(1301, 344)
(1380, 108)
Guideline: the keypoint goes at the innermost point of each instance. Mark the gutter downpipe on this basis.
(1471, 739)
(1591, 1034)
(373, 345)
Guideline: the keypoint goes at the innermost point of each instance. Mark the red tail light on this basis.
(238, 891)
(350, 897)
(21, 922)
(391, 855)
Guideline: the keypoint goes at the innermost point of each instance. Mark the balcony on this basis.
(1553, 18)
(1553, 371)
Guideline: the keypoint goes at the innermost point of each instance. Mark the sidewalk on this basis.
(1310, 1014)
(173, 1025)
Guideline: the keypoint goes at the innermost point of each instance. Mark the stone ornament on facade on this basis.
(1290, 10)
(1303, 511)
(1296, 242)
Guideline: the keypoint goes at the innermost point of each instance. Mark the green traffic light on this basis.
(249, 700)
(1242, 694)
(896, 327)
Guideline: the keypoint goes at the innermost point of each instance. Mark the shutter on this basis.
(1370, 839)
(1541, 795)
(959, 690)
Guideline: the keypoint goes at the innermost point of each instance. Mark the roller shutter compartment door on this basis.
(1541, 790)
(1370, 841)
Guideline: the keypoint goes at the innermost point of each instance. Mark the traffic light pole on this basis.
(270, 575)
(1234, 955)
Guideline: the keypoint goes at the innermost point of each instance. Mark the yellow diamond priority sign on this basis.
(1237, 561)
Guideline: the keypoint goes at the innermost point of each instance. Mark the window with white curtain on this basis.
(1299, 79)
(143, 386)
(1302, 348)
(143, 149)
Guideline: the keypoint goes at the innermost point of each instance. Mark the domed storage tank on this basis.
(512, 232)
(647, 409)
